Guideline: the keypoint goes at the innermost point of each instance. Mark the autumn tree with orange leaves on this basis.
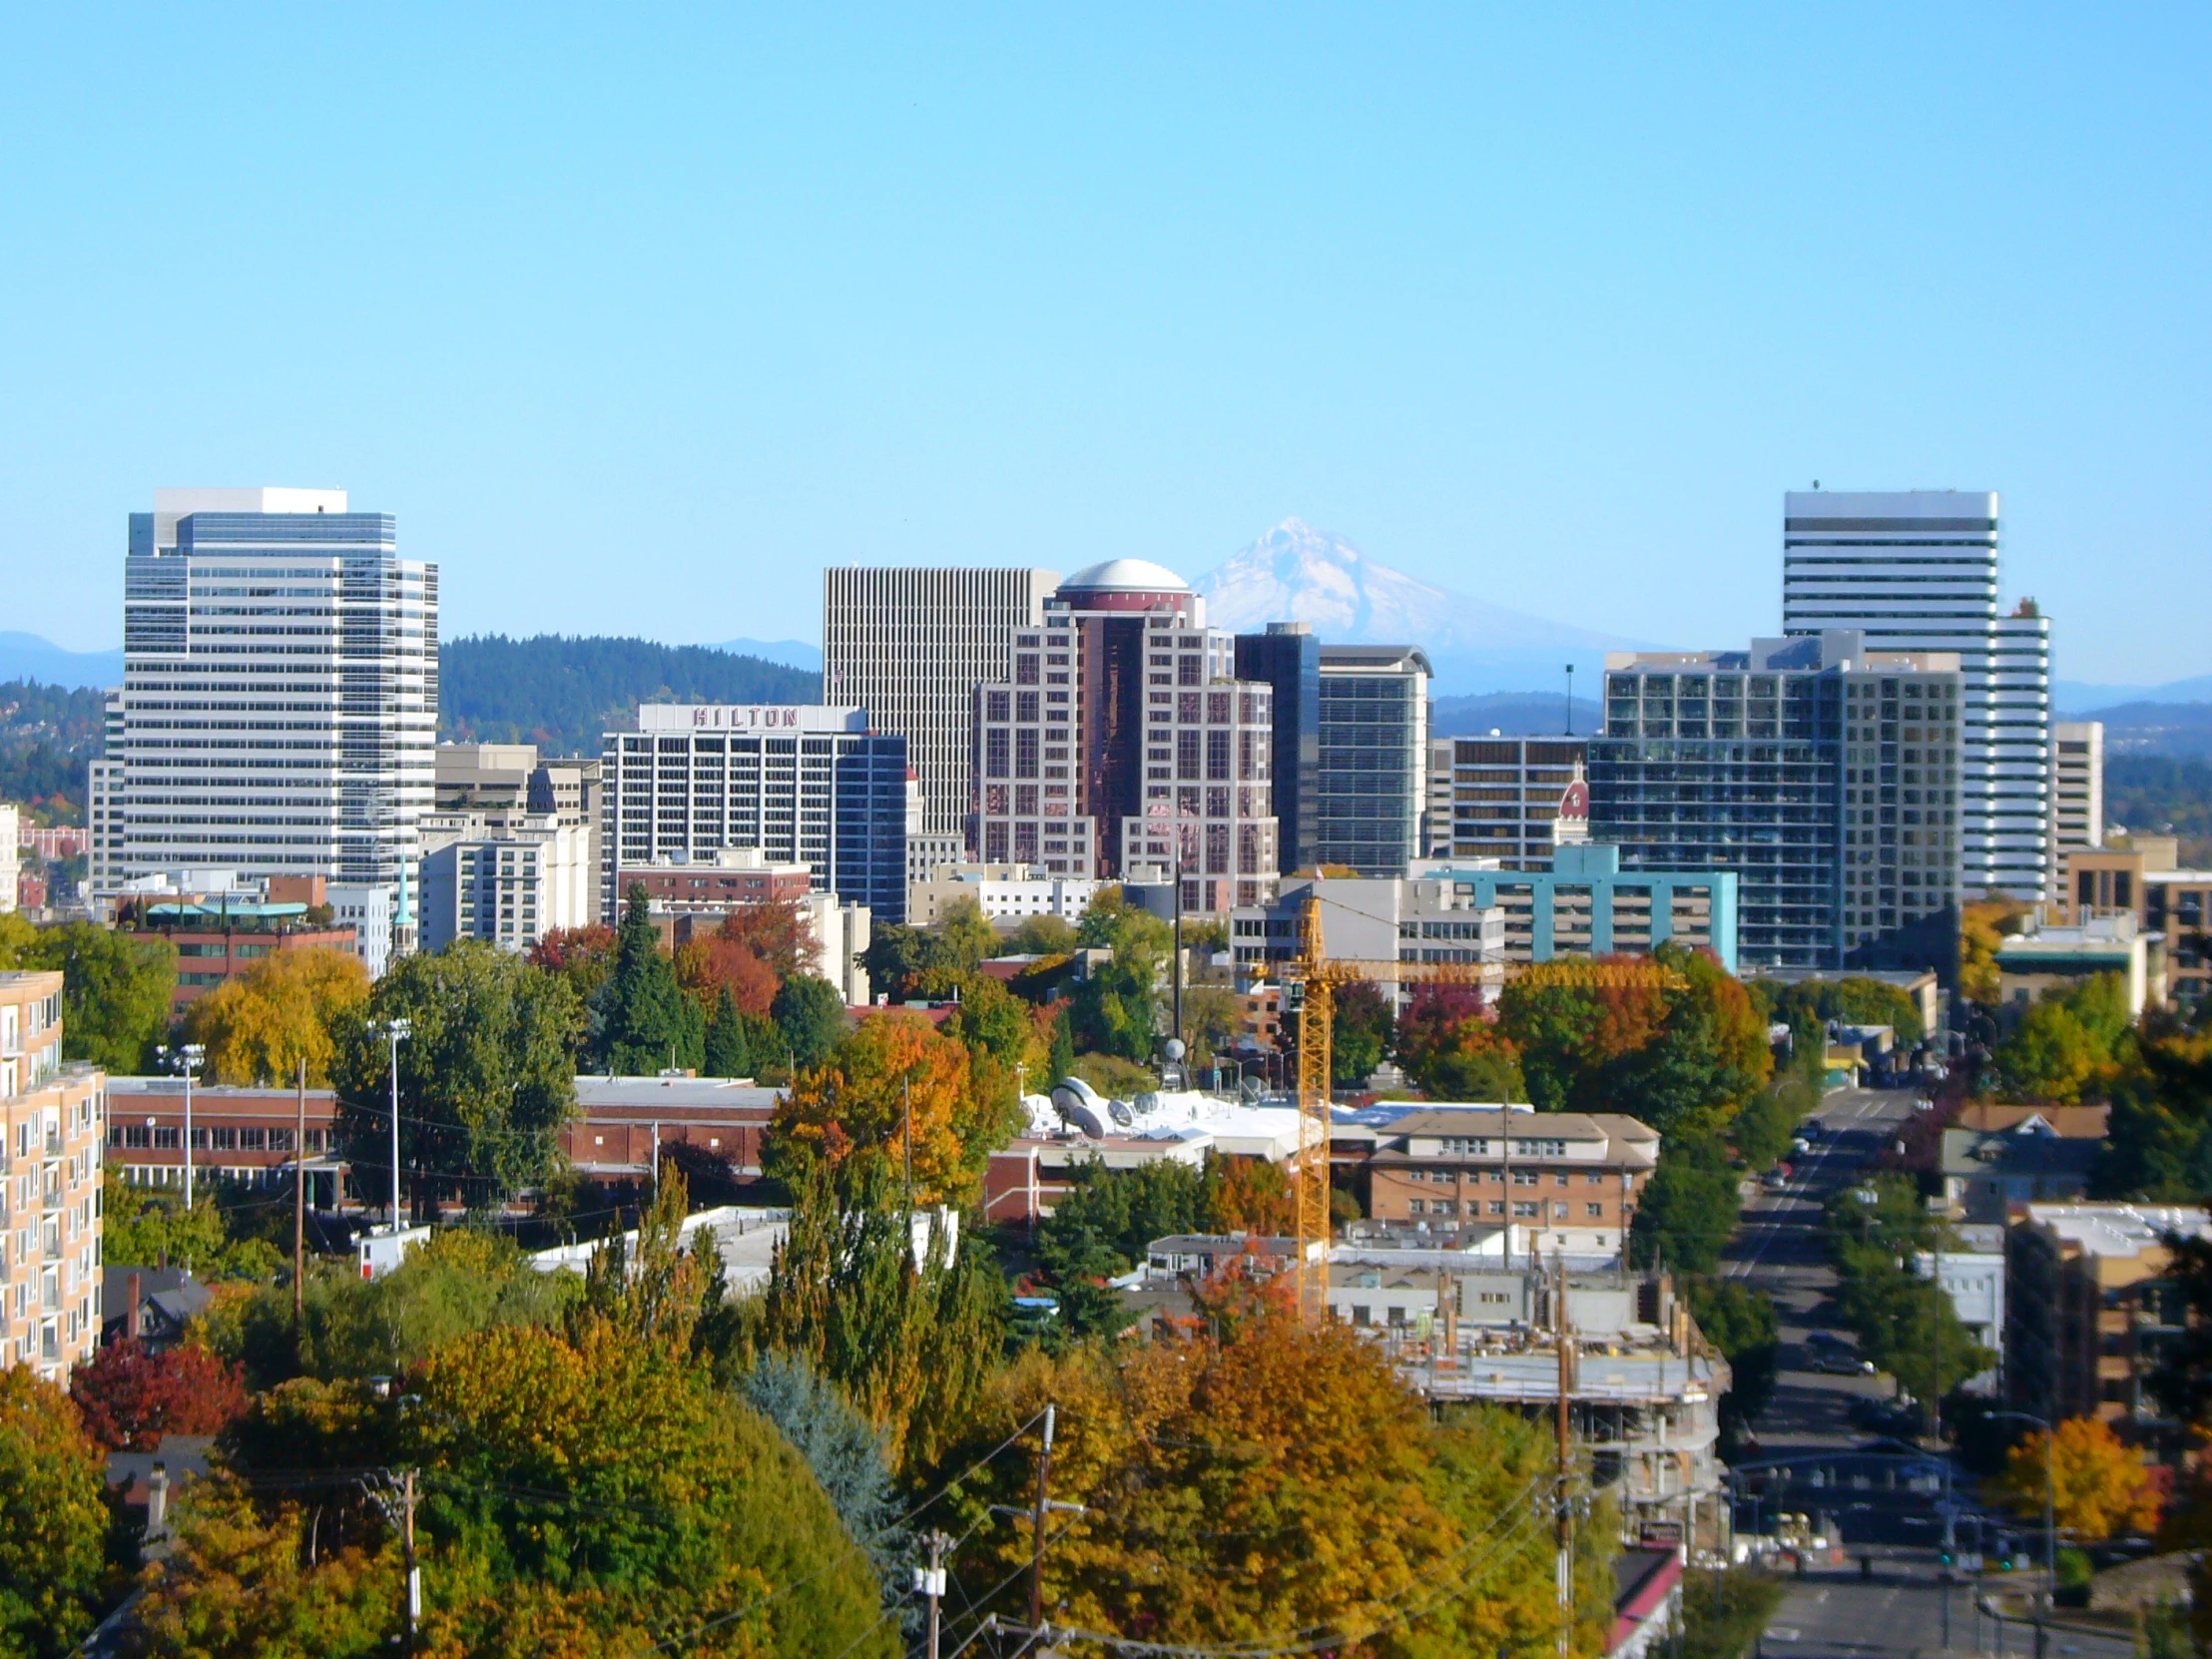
(895, 1085)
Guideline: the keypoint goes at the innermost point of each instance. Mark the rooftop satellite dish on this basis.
(1119, 1111)
(1149, 1101)
(1175, 1049)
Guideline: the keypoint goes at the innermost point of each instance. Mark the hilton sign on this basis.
(749, 717)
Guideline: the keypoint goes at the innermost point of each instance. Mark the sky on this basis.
(637, 317)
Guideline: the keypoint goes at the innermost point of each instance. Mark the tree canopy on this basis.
(53, 1520)
(2099, 1487)
(486, 1077)
(259, 1027)
(116, 986)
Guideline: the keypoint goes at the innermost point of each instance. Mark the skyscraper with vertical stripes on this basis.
(1917, 570)
(911, 646)
(279, 704)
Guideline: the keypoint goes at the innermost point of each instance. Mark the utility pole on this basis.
(414, 1573)
(397, 1031)
(299, 1215)
(1566, 1513)
(1036, 1525)
(930, 1581)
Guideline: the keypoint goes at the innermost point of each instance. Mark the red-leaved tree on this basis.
(132, 1396)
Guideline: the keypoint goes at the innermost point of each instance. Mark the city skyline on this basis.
(1501, 302)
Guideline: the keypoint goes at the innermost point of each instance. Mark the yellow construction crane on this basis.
(1316, 977)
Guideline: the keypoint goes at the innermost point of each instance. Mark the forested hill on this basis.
(562, 693)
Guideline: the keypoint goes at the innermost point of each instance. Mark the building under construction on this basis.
(1643, 1386)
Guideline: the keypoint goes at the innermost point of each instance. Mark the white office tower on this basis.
(280, 691)
(2076, 793)
(1917, 570)
(911, 647)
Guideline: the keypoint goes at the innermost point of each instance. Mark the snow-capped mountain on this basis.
(1296, 573)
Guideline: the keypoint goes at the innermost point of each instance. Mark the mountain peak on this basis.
(1296, 573)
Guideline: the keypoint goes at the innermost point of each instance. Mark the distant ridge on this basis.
(564, 693)
(1296, 573)
(42, 662)
(789, 653)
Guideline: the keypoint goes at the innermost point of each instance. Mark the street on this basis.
(1882, 1499)
(1901, 1612)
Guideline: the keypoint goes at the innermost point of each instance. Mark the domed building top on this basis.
(1125, 576)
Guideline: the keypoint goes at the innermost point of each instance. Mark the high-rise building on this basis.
(1123, 737)
(510, 882)
(1917, 571)
(2076, 793)
(800, 784)
(280, 691)
(52, 1120)
(1824, 773)
(1498, 798)
(1287, 658)
(911, 647)
(1372, 786)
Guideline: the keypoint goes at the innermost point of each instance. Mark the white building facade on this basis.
(508, 883)
(1917, 571)
(800, 784)
(278, 710)
(2076, 793)
(911, 646)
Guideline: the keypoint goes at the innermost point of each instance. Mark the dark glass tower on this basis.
(1288, 658)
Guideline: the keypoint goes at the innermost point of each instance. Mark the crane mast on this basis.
(1311, 980)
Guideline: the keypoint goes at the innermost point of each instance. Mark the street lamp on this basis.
(2051, 1529)
(397, 1030)
(186, 1060)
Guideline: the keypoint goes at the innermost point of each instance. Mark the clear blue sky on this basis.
(638, 317)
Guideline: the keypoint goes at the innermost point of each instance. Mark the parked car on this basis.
(1836, 1362)
(1801, 1145)
(1811, 1129)
(1776, 1179)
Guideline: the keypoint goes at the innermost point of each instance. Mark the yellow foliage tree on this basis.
(2098, 1486)
(1276, 1484)
(1981, 930)
(259, 1026)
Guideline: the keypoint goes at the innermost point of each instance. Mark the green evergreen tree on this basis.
(649, 1022)
(1062, 1063)
(810, 1017)
(847, 1454)
(728, 1044)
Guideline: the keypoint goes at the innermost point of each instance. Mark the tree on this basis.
(52, 1521)
(1271, 1486)
(1212, 1015)
(1041, 935)
(739, 1044)
(713, 965)
(1905, 1325)
(131, 1396)
(259, 1027)
(116, 989)
(1361, 1032)
(967, 936)
(2071, 1042)
(1742, 1324)
(648, 1023)
(907, 1326)
(1249, 1195)
(2099, 1486)
(1687, 1210)
(486, 1079)
(1453, 1051)
(846, 1452)
(1707, 1059)
(1127, 1209)
(900, 1092)
(1764, 1129)
(148, 1226)
(809, 1018)
(1981, 932)
(584, 957)
(581, 1495)
(1060, 1062)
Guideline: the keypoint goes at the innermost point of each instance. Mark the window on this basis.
(1025, 753)
(1596, 1212)
(1025, 668)
(1216, 755)
(997, 706)
(1190, 671)
(995, 750)
(1186, 754)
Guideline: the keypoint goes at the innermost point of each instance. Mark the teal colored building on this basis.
(1587, 905)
